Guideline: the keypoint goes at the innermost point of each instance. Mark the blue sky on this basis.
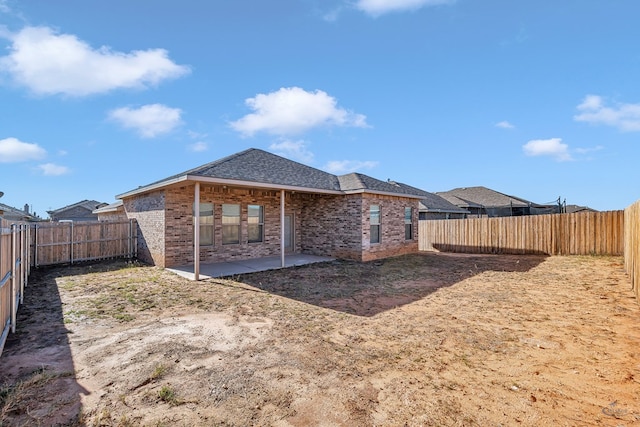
(537, 99)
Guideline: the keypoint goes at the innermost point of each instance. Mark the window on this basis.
(206, 224)
(255, 223)
(374, 222)
(408, 223)
(230, 224)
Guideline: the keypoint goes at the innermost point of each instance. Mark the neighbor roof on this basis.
(258, 168)
(482, 197)
(90, 205)
(13, 214)
(431, 202)
(578, 208)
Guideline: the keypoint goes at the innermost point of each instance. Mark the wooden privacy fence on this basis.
(68, 242)
(582, 233)
(14, 272)
(632, 245)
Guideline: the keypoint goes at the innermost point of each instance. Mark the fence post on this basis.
(24, 249)
(14, 308)
(71, 243)
(35, 250)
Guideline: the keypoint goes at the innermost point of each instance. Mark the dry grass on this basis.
(427, 339)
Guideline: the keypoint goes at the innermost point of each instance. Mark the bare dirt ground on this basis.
(428, 339)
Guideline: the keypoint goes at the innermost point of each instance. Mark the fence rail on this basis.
(69, 242)
(15, 266)
(582, 233)
(632, 245)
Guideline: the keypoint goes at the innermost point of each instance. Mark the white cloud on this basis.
(196, 135)
(296, 150)
(589, 149)
(548, 147)
(149, 120)
(14, 150)
(505, 125)
(332, 15)
(625, 117)
(4, 7)
(51, 169)
(198, 147)
(380, 7)
(49, 63)
(339, 167)
(291, 111)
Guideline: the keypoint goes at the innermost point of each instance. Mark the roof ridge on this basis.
(216, 162)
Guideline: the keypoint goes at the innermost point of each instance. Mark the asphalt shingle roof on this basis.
(260, 166)
(15, 214)
(90, 205)
(359, 181)
(254, 165)
(432, 202)
(483, 196)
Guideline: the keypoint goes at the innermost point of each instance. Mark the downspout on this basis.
(282, 263)
(196, 233)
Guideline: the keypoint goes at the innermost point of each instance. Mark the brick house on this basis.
(256, 204)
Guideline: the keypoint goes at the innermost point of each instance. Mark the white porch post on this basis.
(282, 228)
(196, 233)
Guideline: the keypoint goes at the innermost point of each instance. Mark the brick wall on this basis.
(392, 230)
(346, 232)
(116, 216)
(148, 210)
(332, 225)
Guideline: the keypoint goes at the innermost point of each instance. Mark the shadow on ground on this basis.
(37, 379)
(370, 288)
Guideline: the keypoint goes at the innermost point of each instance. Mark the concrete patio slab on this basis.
(234, 268)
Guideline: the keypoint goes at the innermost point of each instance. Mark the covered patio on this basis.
(234, 268)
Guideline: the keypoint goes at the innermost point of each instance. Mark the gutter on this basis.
(253, 184)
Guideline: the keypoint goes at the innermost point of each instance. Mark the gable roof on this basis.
(431, 202)
(482, 197)
(260, 169)
(255, 165)
(89, 205)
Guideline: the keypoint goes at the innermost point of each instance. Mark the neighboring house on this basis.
(111, 212)
(485, 202)
(81, 211)
(433, 206)
(12, 214)
(576, 208)
(255, 204)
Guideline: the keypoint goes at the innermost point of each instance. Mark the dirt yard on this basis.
(424, 340)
